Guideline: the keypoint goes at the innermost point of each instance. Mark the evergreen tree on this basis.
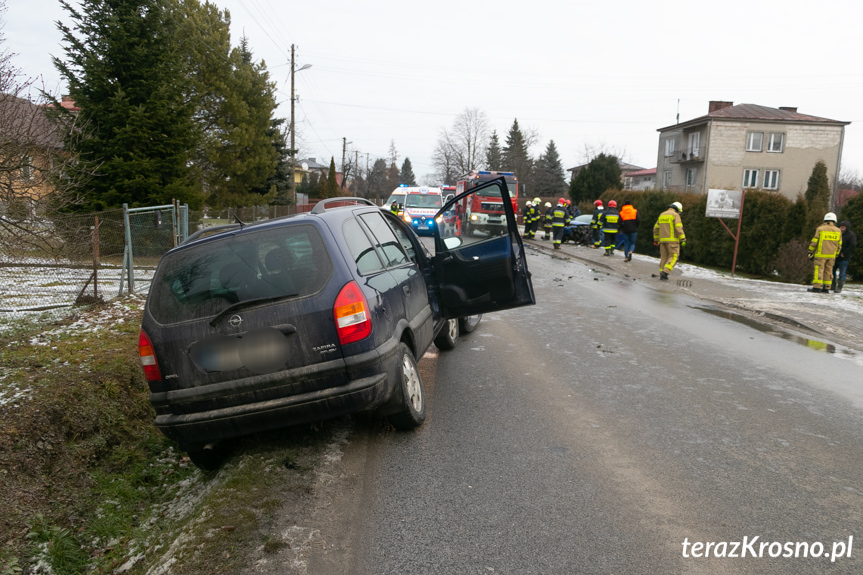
(493, 154)
(123, 70)
(279, 181)
(601, 174)
(406, 176)
(378, 184)
(817, 196)
(332, 190)
(548, 174)
(243, 147)
(516, 158)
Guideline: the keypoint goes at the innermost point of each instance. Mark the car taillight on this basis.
(351, 311)
(148, 358)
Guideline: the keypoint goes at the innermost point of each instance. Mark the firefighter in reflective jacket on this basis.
(558, 221)
(546, 221)
(595, 226)
(823, 249)
(668, 235)
(610, 222)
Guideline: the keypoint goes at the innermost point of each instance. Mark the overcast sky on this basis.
(584, 74)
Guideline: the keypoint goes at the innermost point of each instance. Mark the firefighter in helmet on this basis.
(595, 226)
(823, 249)
(668, 235)
(559, 217)
(610, 222)
(546, 221)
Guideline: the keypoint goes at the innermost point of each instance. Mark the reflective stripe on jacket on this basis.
(668, 227)
(827, 241)
(558, 217)
(594, 221)
(609, 220)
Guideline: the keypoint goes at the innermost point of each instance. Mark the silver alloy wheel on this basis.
(413, 387)
(452, 328)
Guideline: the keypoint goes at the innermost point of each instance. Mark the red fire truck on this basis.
(484, 213)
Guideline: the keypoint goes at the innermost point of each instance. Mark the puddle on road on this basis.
(840, 351)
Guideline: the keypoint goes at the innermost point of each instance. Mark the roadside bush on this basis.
(853, 212)
(791, 262)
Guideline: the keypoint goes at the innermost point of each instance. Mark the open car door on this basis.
(480, 271)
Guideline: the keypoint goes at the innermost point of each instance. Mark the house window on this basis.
(690, 177)
(776, 143)
(666, 179)
(750, 178)
(754, 140)
(669, 147)
(26, 168)
(771, 179)
(694, 141)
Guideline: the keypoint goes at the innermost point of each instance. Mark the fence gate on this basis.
(149, 233)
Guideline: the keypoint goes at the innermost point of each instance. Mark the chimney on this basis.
(788, 109)
(716, 105)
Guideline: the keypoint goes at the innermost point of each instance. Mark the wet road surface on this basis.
(600, 430)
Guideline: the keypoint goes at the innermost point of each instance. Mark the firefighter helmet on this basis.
(561, 202)
(536, 201)
(548, 204)
(597, 203)
(677, 206)
(830, 217)
(612, 204)
(528, 203)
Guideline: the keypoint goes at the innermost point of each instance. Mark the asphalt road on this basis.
(599, 431)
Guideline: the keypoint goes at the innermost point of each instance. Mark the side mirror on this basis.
(452, 243)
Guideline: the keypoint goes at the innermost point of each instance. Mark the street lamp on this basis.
(293, 150)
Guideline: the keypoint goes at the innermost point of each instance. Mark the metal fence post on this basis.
(128, 258)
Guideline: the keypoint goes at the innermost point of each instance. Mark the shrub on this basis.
(791, 262)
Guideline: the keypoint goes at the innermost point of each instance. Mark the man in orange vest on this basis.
(823, 249)
(668, 235)
(628, 229)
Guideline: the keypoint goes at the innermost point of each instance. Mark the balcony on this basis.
(689, 155)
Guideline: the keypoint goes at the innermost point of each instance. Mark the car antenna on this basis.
(239, 221)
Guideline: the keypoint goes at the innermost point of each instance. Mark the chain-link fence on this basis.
(48, 266)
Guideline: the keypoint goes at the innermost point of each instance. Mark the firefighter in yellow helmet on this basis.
(668, 235)
(823, 249)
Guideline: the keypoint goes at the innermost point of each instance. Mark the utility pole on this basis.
(293, 150)
(344, 170)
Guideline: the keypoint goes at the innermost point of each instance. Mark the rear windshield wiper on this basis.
(249, 303)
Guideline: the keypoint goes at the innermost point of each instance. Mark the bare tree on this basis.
(592, 150)
(462, 149)
(34, 187)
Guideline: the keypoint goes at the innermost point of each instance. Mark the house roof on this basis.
(757, 113)
(28, 123)
(650, 172)
(624, 168)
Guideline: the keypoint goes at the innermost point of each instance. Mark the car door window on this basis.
(386, 240)
(480, 265)
(361, 248)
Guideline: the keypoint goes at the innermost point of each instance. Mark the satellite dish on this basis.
(305, 167)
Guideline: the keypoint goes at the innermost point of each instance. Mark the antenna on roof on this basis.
(239, 221)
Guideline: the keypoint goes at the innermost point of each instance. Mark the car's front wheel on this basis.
(413, 404)
(448, 336)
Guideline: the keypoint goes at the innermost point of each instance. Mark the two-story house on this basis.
(748, 147)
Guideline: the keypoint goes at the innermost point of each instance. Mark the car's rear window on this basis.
(288, 262)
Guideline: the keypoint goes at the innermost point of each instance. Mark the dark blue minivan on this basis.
(315, 315)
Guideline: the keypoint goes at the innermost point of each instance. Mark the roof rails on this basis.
(321, 206)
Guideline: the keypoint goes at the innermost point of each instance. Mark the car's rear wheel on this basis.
(206, 458)
(448, 336)
(469, 323)
(413, 404)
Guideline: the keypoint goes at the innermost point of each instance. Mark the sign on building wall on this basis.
(724, 204)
